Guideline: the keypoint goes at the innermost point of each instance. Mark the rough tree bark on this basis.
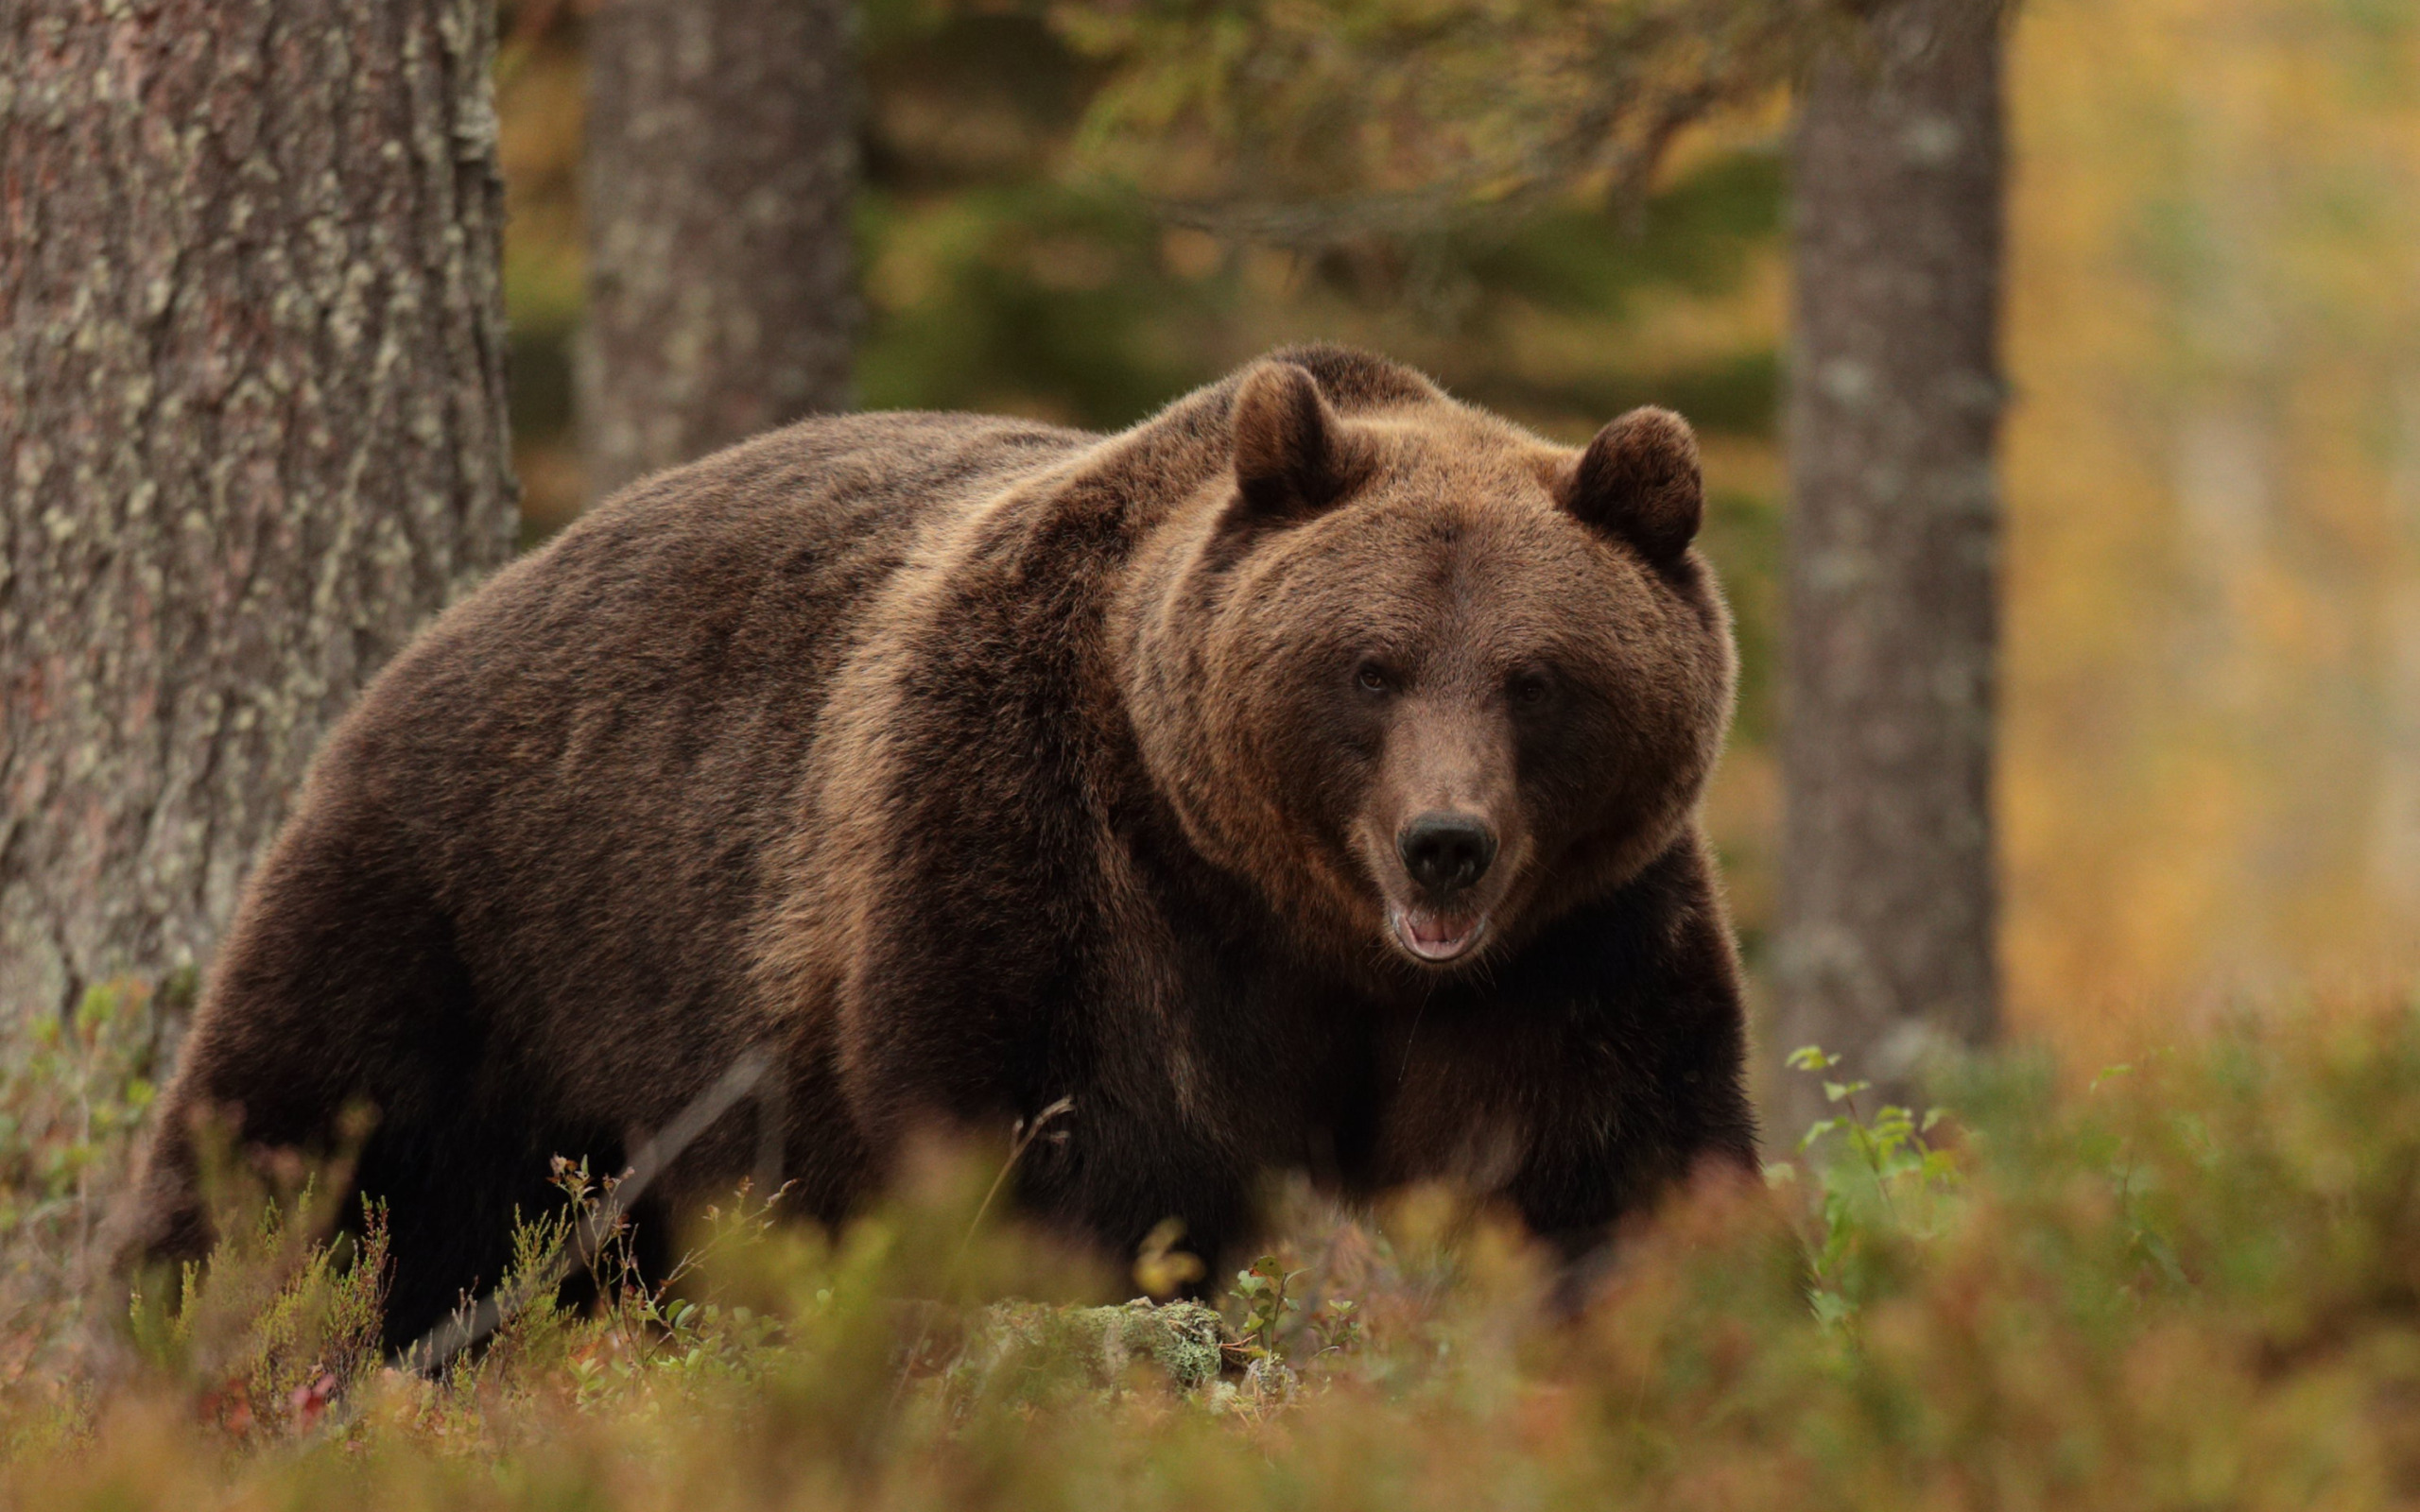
(1885, 944)
(251, 431)
(721, 158)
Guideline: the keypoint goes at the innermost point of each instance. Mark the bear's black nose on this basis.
(1447, 852)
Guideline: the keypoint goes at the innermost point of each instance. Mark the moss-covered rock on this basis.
(1020, 1346)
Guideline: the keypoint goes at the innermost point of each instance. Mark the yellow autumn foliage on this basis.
(2210, 784)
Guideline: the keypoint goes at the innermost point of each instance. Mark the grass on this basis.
(2190, 1283)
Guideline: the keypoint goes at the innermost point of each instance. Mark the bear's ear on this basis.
(1639, 480)
(1293, 455)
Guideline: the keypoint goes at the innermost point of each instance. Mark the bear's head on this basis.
(1425, 679)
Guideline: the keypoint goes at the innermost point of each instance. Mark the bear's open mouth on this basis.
(1437, 937)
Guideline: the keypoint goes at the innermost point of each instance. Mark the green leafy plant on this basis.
(1882, 1181)
(1262, 1291)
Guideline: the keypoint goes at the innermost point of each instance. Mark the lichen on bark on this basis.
(1885, 938)
(720, 165)
(251, 431)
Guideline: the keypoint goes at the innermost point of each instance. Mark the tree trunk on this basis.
(251, 431)
(721, 148)
(1885, 942)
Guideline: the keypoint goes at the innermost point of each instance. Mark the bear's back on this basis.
(585, 760)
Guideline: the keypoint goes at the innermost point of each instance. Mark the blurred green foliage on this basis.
(1298, 121)
(1001, 277)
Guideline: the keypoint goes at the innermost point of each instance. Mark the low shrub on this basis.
(2192, 1282)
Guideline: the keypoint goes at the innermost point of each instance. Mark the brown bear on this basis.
(1303, 778)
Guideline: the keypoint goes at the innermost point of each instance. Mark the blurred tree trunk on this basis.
(721, 162)
(1887, 909)
(251, 431)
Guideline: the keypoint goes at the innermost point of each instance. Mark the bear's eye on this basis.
(1531, 688)
(1372, 678)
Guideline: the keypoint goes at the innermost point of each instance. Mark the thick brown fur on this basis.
(970, 764)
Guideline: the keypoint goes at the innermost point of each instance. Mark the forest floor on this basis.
(2189, 1283)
